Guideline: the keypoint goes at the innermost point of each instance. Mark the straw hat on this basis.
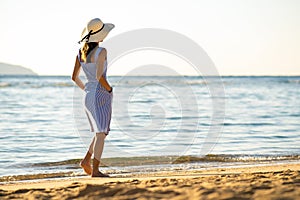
(95, 31)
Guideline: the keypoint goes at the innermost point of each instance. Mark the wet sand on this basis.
(257, 182)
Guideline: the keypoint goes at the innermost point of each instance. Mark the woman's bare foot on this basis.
(99, 174)
(86, 166)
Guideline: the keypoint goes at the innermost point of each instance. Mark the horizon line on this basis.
(243, 75)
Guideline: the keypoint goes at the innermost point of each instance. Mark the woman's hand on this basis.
(79, 83)
(105, 84)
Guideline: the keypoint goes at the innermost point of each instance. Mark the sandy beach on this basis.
(257, 182)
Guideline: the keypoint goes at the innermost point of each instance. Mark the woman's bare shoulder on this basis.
(102, 54)
(103, 51)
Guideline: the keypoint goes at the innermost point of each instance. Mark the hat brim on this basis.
(98, 36)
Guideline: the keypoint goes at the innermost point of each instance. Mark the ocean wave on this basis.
(53, 84)
(154, 160)
(63, 84)
(128, 166)
(295, 81)
(250, 124)
(4, 84)
(37, 176)
(161, 80)
(27, 84)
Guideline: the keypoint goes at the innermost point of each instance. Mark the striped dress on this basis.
(97, 101)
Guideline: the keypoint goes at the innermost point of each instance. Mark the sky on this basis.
(242, 37)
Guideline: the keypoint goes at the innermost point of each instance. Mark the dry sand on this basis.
(263, 182)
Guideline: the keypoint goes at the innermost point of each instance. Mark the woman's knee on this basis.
(101, 135)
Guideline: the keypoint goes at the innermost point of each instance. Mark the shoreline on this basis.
(271, 181)
(151, 165)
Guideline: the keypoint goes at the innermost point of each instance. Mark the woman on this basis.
(98, 92)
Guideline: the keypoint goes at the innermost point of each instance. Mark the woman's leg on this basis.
(98, 149)
(86, 162)
(91, 148)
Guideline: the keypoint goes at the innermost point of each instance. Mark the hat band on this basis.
(87, 37)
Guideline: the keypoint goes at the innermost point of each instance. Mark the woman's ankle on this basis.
(87, 157)
(96, 164)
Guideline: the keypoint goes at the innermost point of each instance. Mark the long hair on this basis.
(86, 49)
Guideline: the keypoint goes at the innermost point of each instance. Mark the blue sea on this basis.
(155, 120)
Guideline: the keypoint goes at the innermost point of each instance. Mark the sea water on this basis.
(43, 121)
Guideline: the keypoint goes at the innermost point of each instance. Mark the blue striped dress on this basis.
(97, 101)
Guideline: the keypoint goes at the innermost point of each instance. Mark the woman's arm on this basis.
(100, 67)
(75, 76)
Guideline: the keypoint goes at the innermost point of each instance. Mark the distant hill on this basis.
(8, 69)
